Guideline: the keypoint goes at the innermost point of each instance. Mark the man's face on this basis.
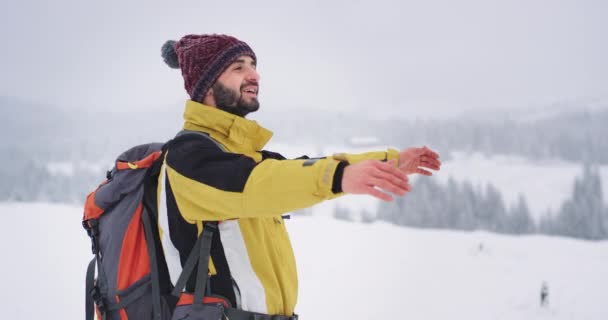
(236, 90)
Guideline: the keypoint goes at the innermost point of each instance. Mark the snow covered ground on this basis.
(346, 270)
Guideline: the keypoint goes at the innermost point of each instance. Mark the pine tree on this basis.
(342, 214)
(519, 219)
(492, 211)
(583, 216)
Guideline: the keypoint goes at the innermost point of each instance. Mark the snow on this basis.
(346, 270)
(46, 252)
(390, 272)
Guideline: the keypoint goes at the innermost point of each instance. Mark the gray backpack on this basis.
(133, 280)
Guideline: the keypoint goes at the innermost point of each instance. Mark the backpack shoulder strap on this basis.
(200, 134)
(199, 256)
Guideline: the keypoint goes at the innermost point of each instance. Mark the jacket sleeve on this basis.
(210, 184)
(390, 154)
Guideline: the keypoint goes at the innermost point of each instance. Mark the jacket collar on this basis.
(234, 132)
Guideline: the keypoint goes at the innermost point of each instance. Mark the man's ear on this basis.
(209, 98)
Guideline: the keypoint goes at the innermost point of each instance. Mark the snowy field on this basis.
(346, 270)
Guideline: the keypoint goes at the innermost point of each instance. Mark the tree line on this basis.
(461, 206)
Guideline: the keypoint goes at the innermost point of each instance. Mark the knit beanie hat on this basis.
(202, 58)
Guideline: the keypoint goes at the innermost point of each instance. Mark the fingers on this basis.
(423, 172)
(379, 194)
(431, 153)
(430, 163)
(389, 167)
(388, 185)
(413, 158)
(390, 178)
(378, 179)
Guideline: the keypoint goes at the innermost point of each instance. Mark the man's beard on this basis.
(233, 102)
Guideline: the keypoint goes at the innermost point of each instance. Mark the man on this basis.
(544, 294)
(231, 179)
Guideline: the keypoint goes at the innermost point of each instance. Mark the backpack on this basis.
(133, 280)
(120, 222)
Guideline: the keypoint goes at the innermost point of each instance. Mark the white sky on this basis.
(409, 57)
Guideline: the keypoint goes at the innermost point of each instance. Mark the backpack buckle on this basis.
(213, 225)
(92, 228)
(98, 299)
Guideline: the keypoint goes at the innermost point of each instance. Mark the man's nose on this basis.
(253, 75)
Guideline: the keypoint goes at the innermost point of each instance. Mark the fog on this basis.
(387, 57)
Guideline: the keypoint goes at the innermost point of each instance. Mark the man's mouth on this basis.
(252, 90)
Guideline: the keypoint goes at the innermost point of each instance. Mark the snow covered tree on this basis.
(342, 214)
(583, 215)
(491, 214)
(519, 220)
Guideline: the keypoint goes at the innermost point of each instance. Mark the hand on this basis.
(365, 176)
(411, 159)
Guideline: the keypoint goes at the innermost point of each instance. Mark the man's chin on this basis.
(250, 107)
(241, 110)
(253, 108)
(250, 110)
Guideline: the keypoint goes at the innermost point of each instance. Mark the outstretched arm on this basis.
(377, 178)
(209, 184)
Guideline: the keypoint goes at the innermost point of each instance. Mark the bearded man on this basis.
(228, 178)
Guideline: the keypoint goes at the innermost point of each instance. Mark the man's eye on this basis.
(238, 68)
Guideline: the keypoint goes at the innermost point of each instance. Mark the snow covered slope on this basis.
(346, 270)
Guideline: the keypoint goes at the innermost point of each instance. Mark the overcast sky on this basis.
(410, 57)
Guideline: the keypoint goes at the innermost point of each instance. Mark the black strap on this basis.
(129, 298)
(200, 255)
(236, 314)
(96, 290)
(88, 304)
(148, 230)
(149, 216)
(187, 269)
(202, 274)
(202, 134)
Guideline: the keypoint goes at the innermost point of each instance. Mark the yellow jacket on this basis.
(247, 189)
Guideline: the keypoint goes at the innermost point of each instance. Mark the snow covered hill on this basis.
(346, 270)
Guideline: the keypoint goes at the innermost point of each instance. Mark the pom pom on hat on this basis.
(169, 55)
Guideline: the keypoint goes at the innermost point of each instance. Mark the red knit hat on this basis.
(202, 59)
